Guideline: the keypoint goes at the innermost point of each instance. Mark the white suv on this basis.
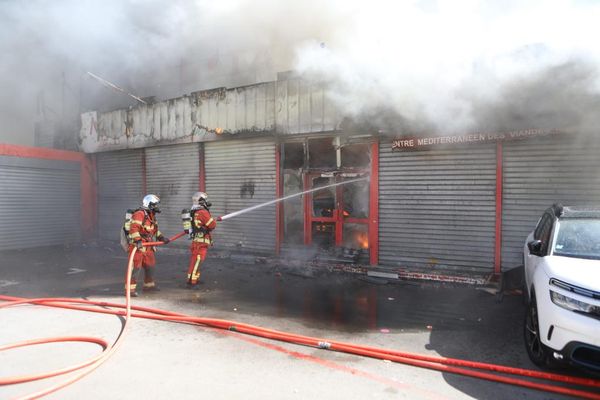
(562, 275)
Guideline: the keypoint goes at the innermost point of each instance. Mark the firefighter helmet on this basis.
(201, 199)
(151, 203)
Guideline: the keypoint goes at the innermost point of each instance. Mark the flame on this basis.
(362, 238)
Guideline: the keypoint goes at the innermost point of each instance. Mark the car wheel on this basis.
(538, 353)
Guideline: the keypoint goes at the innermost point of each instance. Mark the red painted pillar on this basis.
(498, 231)
(374, 206)
(279, 204)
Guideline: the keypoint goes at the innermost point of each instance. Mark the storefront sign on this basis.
(417, 143)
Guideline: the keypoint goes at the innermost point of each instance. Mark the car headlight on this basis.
(573, 304)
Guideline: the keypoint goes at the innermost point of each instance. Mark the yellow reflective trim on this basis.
(136, 221)
(195, 273)
(210, 221)
(135, 235)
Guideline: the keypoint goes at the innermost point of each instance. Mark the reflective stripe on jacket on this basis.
(143, 227)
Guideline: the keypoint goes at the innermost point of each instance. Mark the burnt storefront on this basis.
(341, 214)
(430, 207)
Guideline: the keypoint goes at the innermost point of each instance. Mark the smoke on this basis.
(561, 96)
(451, 66)
(48, 46)
(149, 48)
(444, 65)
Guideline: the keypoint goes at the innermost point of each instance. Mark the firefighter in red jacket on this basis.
(198, 224)
(143, 228)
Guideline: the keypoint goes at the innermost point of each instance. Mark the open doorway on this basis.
(336, 216)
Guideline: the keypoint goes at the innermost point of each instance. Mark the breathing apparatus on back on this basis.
(199, 201)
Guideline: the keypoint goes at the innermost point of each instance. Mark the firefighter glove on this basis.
(138, 244)
(165, 240)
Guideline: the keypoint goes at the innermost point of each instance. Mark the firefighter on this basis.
(143, 228)
(198, 224)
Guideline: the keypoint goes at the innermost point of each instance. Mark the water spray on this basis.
(245, 210)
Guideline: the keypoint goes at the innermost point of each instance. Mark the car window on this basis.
(545, 234)
(578, 238)
(538, 228)
(537, 234)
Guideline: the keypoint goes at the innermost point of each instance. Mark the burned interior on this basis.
(334, 218)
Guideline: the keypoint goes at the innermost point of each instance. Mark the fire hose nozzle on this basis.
(218, 218)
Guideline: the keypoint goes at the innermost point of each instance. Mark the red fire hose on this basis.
(451, 365)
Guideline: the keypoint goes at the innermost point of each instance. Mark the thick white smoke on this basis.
(434, 65)
(453, 66)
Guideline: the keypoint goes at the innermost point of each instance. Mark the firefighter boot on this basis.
(149, 284)
(192, 286)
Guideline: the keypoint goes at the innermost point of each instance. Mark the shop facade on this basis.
(446, 208)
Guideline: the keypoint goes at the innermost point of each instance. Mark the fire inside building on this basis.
(428, 207)
(455, 207)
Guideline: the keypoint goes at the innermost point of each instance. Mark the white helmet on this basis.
(200, 199)
(151, 203)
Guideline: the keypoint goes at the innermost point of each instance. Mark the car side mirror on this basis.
(535, 247)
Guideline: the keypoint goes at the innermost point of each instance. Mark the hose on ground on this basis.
(486, 371)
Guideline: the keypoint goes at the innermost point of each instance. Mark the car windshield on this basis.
(578, 238)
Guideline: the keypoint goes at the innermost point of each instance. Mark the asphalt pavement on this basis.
(164, 360)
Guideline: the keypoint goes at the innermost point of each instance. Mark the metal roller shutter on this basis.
(39, 202)
(120, 183)
(437, 208)
(538, 173)
(241, 174)
(173, 175)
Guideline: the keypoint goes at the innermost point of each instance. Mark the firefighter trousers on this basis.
(198, 256)
(147, 261)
